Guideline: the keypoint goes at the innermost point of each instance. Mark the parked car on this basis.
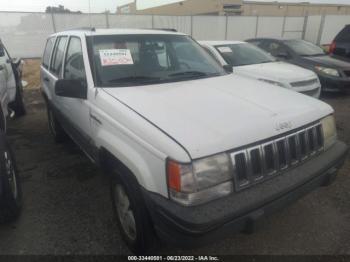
(11, 86)
(334, 74)
(340, 47)
(194, 153)
(253, 62)
(10, 96)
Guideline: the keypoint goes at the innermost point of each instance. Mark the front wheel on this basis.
(11, 190)
(132, 216)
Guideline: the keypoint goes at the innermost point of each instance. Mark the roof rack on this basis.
(165, 29)
(92, 29)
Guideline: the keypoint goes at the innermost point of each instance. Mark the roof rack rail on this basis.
(93, 29)
(165, 29)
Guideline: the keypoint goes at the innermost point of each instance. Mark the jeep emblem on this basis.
(283, 125)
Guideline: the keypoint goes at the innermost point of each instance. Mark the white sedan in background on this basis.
(250, 61)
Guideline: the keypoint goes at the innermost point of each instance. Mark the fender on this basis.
(142, 163)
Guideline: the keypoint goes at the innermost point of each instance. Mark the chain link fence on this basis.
(25, 34)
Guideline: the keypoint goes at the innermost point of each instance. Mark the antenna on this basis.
(90, 13)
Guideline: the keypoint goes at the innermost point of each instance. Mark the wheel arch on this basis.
(147, 168)
(108, 162)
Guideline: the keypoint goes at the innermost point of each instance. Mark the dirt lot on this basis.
(67, 209)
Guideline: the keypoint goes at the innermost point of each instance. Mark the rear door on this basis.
(342, 44)
(45, 74)
(56, 69)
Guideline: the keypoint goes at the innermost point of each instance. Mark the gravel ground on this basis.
(67, 208)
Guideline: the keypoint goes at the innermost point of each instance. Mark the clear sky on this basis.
(102, 5)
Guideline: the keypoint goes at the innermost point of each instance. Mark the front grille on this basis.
(304, 83)
(313, 92)
(259, 163)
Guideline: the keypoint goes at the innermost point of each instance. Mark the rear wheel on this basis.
(11, 191)
(131, 214)
(55, 128)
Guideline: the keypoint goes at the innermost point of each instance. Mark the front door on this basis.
(77, 111)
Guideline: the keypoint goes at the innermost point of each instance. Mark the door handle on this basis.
(2, 67)
(98, 121)
(46, 79)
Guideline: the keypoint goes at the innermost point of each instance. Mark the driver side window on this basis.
(74, 68)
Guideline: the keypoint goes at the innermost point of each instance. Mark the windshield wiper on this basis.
(134, 79)
(189, 74)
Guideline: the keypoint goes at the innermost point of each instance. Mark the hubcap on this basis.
(11, 175)
(124, 211)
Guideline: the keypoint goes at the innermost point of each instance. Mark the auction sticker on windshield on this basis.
(110, 57)
(225, 49)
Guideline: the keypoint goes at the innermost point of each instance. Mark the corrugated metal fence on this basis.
(25, 33)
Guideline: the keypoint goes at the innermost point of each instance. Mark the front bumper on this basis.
(196, 226)
(334, 84)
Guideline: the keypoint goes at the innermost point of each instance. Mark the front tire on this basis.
(131, 214)
(11, 190)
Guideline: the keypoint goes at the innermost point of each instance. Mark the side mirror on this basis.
(283, 55)
(228, 69)
(71, 88)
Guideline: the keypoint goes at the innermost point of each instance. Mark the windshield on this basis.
(124, 60)
(244, 54)
(304, 48)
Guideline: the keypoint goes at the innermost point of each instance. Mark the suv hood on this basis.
(278, 71)
(213, 115)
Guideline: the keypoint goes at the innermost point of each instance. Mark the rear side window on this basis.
(47, 53)
(58, 53)
(344, 35)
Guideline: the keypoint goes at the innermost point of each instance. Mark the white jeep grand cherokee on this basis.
(194, 153)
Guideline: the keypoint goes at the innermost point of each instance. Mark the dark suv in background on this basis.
(340, 47)
(334, 74)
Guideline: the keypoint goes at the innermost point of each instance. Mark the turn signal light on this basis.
(174, 176)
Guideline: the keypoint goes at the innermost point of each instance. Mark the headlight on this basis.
(327, 71)
(203, 180)
(273, 82)
(329, 131)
